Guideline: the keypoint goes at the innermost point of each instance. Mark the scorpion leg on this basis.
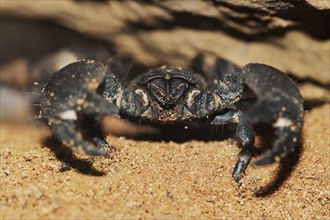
(245, 136)
(279, 104)
(228, 88)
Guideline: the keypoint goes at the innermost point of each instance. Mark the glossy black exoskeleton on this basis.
(170, 95)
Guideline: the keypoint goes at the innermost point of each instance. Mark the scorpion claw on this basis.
(70, 96)
(279, 104)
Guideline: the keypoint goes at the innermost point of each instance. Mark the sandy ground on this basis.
(161, 180)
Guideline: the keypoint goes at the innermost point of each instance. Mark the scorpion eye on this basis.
(157, 88)
(177, 89)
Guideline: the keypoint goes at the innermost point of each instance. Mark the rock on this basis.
(292, 36)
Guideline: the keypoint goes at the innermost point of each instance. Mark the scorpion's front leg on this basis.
(244, 134)
(207, 103)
